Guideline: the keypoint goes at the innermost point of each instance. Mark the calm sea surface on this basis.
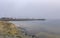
(39, 26)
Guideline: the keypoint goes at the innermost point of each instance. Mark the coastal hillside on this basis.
(10, 30)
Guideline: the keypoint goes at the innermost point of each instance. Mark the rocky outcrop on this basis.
(8, 29)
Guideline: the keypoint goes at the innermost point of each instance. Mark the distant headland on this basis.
(19, 19)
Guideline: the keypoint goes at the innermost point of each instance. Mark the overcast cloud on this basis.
(49, 9)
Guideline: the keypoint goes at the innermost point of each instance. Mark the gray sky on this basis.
(49, 9)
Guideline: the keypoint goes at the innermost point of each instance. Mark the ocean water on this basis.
(39, 26)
